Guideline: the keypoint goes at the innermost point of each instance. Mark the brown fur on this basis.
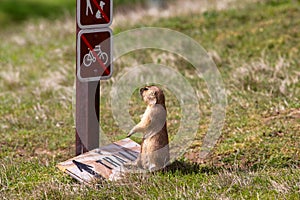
(155, 144)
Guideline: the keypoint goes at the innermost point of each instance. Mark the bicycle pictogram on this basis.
(89, 58)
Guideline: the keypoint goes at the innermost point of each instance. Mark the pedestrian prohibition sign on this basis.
(94, 13)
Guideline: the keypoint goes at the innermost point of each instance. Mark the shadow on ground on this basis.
(184, 167)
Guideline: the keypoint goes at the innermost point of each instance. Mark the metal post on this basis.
(87, 116)
(92, 19)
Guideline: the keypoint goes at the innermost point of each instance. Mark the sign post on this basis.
(93, 62)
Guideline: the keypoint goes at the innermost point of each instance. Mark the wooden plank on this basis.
(102, 163)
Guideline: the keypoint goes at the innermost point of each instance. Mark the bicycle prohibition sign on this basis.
(89, 58)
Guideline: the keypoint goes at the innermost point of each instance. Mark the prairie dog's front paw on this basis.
(130, 133)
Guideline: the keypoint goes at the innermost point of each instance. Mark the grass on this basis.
(256, 49)
(17, 11)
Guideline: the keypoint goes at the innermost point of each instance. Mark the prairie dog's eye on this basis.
(142, 90)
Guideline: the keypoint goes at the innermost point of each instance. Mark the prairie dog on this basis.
(155, 144)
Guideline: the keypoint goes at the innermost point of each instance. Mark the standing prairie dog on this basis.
(155, 144)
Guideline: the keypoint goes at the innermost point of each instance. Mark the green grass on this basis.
(16, 11)
(257, 156)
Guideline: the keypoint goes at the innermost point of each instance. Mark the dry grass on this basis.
(136, 15)
(273, 79)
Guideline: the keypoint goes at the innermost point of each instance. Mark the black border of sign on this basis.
(96, 78)
(95, 25)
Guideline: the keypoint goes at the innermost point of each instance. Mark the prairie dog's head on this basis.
(152, 95)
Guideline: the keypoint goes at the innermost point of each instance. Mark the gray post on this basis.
(87, 116)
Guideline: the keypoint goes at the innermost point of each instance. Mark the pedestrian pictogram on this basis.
(94, 13)
(94, 54)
